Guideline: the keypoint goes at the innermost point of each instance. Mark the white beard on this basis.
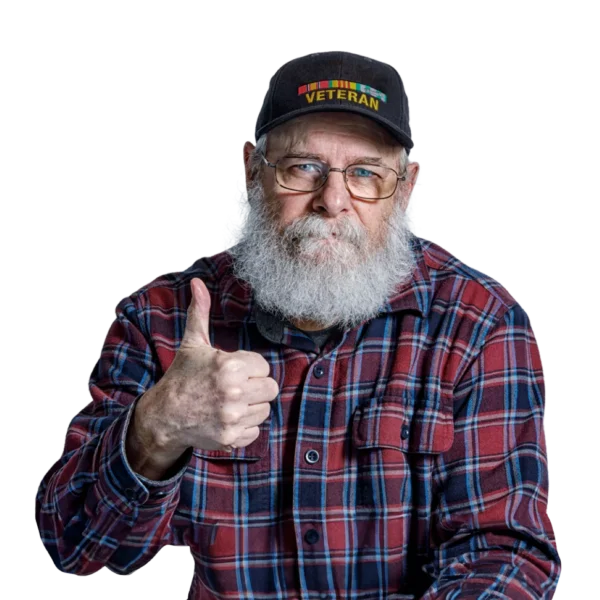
(299, 275)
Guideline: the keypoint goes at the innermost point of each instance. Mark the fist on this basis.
(208, 398)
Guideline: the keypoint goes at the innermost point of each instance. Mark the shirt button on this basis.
(160, 494)
(311, 457)
(319, 371)
(405, 432)
(130, 494)
(311, 536)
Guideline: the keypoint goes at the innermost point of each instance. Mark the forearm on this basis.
(91, 506)
(507, 568)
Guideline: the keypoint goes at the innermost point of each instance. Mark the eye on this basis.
(362, 172)
(307, 167)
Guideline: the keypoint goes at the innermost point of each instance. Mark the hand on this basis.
(208, 398)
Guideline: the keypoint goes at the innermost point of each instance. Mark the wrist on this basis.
(146, 448)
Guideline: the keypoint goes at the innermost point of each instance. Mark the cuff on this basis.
(121, 487)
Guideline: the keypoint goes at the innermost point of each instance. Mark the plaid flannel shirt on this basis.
(403, 459)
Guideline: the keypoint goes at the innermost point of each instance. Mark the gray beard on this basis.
(299, 275)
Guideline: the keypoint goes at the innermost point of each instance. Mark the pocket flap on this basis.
(254, 451)
(391, 423)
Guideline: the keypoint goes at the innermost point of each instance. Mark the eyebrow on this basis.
(372, 160)
(303, 155)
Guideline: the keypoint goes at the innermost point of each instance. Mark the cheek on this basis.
(289, 209)
(373, 220)
(391, 206)
(376, 222)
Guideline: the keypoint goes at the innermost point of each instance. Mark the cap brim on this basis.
(400, 135)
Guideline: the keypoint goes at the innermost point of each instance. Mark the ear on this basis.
(248, 148)
(412, 172)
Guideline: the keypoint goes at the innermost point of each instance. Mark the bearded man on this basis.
(332, 408)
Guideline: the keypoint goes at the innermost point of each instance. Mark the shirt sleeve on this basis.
(491, 535)
(92, 509)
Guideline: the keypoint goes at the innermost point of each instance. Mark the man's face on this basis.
(338, 139)
(325, 257)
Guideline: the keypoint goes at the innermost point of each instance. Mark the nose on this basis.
(333, 198)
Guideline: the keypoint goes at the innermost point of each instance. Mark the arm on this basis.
(92, 508)
(491, 536)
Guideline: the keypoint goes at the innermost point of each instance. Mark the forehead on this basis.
(330, 130)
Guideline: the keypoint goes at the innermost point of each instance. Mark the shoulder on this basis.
(466, 305)
(452, 279)
(172, 290)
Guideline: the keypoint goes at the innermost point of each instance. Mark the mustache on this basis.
(311, 225)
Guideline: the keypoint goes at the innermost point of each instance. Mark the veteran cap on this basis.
(337, 81)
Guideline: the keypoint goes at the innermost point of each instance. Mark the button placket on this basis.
(312, 537)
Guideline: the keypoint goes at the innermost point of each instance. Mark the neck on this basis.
(308, 325)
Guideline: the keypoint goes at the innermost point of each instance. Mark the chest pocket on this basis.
(403, 423)
(394, 440)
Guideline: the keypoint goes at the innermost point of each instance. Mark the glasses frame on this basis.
(337, 170)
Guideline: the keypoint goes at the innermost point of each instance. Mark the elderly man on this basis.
(332, 408)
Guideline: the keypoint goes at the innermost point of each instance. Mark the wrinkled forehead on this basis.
(318, 129)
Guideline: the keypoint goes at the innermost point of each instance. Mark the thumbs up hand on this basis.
(207, 398)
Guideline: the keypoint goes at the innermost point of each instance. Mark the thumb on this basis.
(196, 327)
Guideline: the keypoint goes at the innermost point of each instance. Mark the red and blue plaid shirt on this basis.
(403, 459)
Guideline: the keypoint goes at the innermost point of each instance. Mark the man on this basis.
(332, 408)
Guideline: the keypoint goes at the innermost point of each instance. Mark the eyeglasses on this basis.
(363, 181)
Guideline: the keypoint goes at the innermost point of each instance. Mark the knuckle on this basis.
(221, 358)
(233, 393)
(227, 437)
(230, 417)
(232, 365)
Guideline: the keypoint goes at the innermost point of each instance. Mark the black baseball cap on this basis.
(337, 81)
